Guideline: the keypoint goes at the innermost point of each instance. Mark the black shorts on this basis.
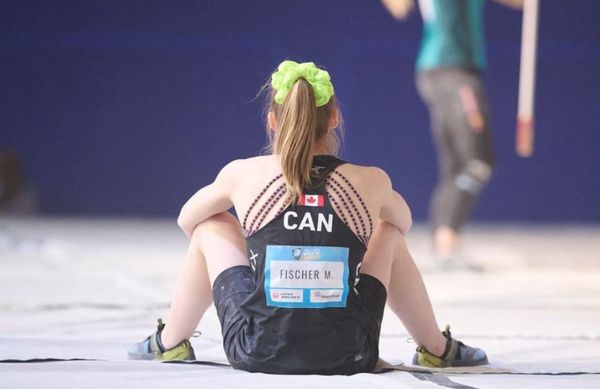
(236, 284)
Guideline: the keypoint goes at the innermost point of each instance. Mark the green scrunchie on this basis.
(289, 71)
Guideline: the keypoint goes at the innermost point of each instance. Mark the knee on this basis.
(388, 230)
(223, 218)
(474, 176)
(385, 226)
(222, 223)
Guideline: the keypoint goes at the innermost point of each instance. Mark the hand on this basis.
(399, 9)
(515, 4)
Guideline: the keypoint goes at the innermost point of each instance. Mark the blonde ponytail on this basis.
(304, 119)
(296, 136)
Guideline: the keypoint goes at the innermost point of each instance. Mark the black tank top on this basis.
(305, 315)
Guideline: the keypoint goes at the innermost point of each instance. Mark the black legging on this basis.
(459, 114)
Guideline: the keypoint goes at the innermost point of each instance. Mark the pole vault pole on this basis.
(525, 116)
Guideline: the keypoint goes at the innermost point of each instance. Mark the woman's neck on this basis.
(318, 150)
(321, 150)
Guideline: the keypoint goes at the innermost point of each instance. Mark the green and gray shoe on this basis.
(151, 348)
(457, 354)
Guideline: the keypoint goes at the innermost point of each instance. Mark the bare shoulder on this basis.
(371, 176)
(240, 168)
(385, 202)
(250, 162)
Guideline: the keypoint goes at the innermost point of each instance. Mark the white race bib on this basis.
(306, 276)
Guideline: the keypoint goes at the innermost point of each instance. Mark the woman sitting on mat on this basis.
(300, 281)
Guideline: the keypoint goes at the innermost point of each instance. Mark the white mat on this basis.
(86, 289)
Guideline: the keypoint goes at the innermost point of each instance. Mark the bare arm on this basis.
(516, 4)
(394, 209)
(399, 9)
(208, 201)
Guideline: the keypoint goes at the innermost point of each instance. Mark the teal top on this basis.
(452, 34)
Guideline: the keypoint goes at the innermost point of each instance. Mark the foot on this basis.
(445, 241)
(456, 354)
(447, 252)
(455, 263)
(151, 348)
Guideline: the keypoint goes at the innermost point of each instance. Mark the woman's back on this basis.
(291, 291)
(307, 218)
(306, 258)
(259, 193)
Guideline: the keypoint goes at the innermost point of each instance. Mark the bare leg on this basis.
(216, 244)
(446, 241)
(389, 260)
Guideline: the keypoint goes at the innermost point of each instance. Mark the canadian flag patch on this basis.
(311, 200)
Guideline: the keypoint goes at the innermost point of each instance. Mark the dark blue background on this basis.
(127, 107)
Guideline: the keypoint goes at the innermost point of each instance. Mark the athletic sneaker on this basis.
(151, 348)
(456, 354)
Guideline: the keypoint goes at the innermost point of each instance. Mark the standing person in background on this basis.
(449, 65)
